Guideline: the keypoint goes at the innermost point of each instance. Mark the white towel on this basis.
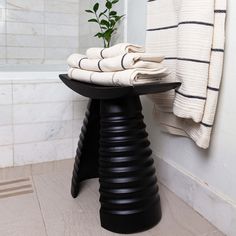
(191, 35)
(121, 78)
(116, 50)
(118, 63)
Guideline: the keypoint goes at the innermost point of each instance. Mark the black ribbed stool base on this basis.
(129, 196)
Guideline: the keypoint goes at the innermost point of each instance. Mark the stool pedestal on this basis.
(128, 185)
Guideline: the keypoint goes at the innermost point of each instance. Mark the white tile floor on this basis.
(39, 204)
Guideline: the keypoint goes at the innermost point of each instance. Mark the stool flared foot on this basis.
(87, 154)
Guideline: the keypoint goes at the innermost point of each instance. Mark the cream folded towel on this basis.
(121, 78)
(191, 35)
(118, 63)
(116, 50)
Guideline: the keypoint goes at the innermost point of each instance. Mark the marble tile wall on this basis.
(38, 32)
(39, 122)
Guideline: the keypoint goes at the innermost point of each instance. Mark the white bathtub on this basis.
(40, 118)
(31, 72)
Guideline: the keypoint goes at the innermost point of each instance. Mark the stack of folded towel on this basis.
(121, 65)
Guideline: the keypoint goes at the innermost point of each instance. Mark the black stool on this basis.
(114, 147)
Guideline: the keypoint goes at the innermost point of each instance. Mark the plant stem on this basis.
(104, 42)
(109, 18)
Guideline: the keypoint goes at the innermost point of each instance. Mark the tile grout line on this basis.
(44, 33)
(39, 23)
(5, 12)
(39, 205)
(12, 128)
(14, 46)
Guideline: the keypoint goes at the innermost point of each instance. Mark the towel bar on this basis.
(114, 147)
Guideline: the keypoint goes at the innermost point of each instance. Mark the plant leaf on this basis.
(107, 34)
(115, 1)
(106, 23)
(108, 5)
(113, 13)
(118, 18)
(93, 20)
(95, 7)
(89, 11)
(102, 13)
(112, 23)
(99, 35)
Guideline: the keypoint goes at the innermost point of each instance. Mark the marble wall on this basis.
(38, 31)
(40, 121)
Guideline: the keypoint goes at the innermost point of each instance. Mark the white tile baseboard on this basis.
(212, 205)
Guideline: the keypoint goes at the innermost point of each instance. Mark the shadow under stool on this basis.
(113, 147)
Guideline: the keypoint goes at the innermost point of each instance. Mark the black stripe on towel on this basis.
(206, 125)
(79, 64)
(171, 58)
(122, 61)
(101, 53)
(196, 23)
(213, 89)
(220, 11)
(217, 50)
(163, 28)
(190, 96)
(182, 23)
(187, 59)
(99, 65)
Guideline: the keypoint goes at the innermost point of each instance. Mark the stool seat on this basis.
(110, 92)
(114, 147)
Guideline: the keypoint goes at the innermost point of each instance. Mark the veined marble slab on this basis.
(32, 41)
(24, 16)
(25, 4)
(41, 132)
(5, 94)
(6, 135)
(62, 6)
(34, 113)
(6, 114)
(41, 93)
(43, 151)
(61, 30)
(24, 53)
(61, 18)
(25, 28)
(6, 156)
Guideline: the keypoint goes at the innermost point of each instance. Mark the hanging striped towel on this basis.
(118, 63)
(191, 34)
(116, 50)
(120, 78)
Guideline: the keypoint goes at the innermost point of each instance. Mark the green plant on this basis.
(107, 21)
